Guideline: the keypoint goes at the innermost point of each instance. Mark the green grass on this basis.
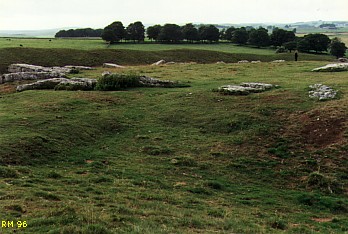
(182, 160)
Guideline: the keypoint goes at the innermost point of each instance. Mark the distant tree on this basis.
(190, 32)
(136, 31)
(170, 33)
(240, 36)
(153, 32)
(229, 33)
(318, 42)
(259, 37)
(303, 45)
(337, 48)
(280, 36)
(327, 26)
(291, 45)
(209, 33)
(114, 32)
(223, 34)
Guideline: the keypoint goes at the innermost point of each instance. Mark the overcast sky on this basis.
(48, 14)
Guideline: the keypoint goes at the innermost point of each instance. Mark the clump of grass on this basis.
(278, 224)
(319, 202)
(112, 82)
(217, 185)
(184, 161)
(323, 183)
(54, 175)
(7, 172)
(47, 196)
(156, 150)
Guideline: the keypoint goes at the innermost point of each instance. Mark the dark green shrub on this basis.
(185, 161)
(6, 172)
(112, 82)
(281, 49)
(323, 183)
(214, 185)
(53, 175)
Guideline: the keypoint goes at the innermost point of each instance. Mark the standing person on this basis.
(296, 55)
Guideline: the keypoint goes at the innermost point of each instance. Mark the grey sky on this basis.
(45, 14)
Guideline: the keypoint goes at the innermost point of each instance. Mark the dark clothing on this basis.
(296, 56)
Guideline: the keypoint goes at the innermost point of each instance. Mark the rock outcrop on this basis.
(278, 61)
(19, 67)
(343, 60)
(245, 88)
(112, 65)
(60, 84)
(152, 82)
(243, 61)
(18, 76)
(335, 67)
(322, 92)
(78, 67)
(161, 62)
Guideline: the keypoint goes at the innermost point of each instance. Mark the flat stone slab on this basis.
(21, 67)
(160, 62)
(18, 76)
(112, 65)
(278, 61)
(334, 67)
(322, 92)
(60, 84)
(245, 88)
(79, 67)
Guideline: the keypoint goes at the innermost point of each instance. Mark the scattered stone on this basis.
(245, 88)
(257, 61)
(243, 61)
(19, 67)
(335, 67)
(161, 62)
(322, 92)
(343, 60)
(105, 73)
(170, 63)
(29, 76)
(220, 62)
(152, 82)
(112, 65)
(78, 67)
(60, 84)
(278, 61)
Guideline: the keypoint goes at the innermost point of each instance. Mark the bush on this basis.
(6, 172)
(281, 49)
(323, 183)
(112, 82)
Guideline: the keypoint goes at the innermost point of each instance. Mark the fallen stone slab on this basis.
(243, 61)
(245, 88)
(335, 67)
(153, 82)
(257, 61)
(278, 61)
(321, 92)
(29, 76)
(112, 65)
(343, 60)
(161, 62)
(21, 67)
(78, 67)
(60, 84)
(220, 62)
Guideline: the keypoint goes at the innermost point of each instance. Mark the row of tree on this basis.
(81, 32)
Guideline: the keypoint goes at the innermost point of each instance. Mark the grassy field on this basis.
(181, 160)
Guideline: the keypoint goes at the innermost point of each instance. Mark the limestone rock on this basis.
(220, 62)
(29, 76)
(245, 88)
(243, 61)
(257, 61)
(112, 65)
(78, 67)
(278, 61)
(161, 62)
(343, 60)
(322, 92)
(152, 82)
(60, 84)
(20, 67)
(335, 67)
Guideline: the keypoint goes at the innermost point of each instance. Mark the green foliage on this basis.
(7, 172)
(281, 36)
(281, 49)
(170, 33)
(190, 32)
(209, 33)
(135, 31)
(319, 202)
(112, 82)
(316, 42)
(54, 175)
(240, 36)
(259, 37)
(323, 183)
(337, 48)
(114, 32)
(184, 161)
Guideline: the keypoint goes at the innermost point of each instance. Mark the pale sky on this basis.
(49, 14)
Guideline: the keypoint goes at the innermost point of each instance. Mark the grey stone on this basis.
(335, 67)
(322, 92)
(245, 88)
(112, 65)
(29, 76)
(243, 61)
(278, 61)
(257, 61)
(161, 62)
(60, 84)
(20, 67)
(78, 67)
(152, 82)
(343, 60)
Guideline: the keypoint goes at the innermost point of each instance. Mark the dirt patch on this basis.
(322, 220)
(319, 128)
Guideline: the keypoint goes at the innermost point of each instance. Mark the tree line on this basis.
(284, 40)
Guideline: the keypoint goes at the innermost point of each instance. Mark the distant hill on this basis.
(32, 33)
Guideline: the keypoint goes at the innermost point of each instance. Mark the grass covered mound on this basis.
(178, 160)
